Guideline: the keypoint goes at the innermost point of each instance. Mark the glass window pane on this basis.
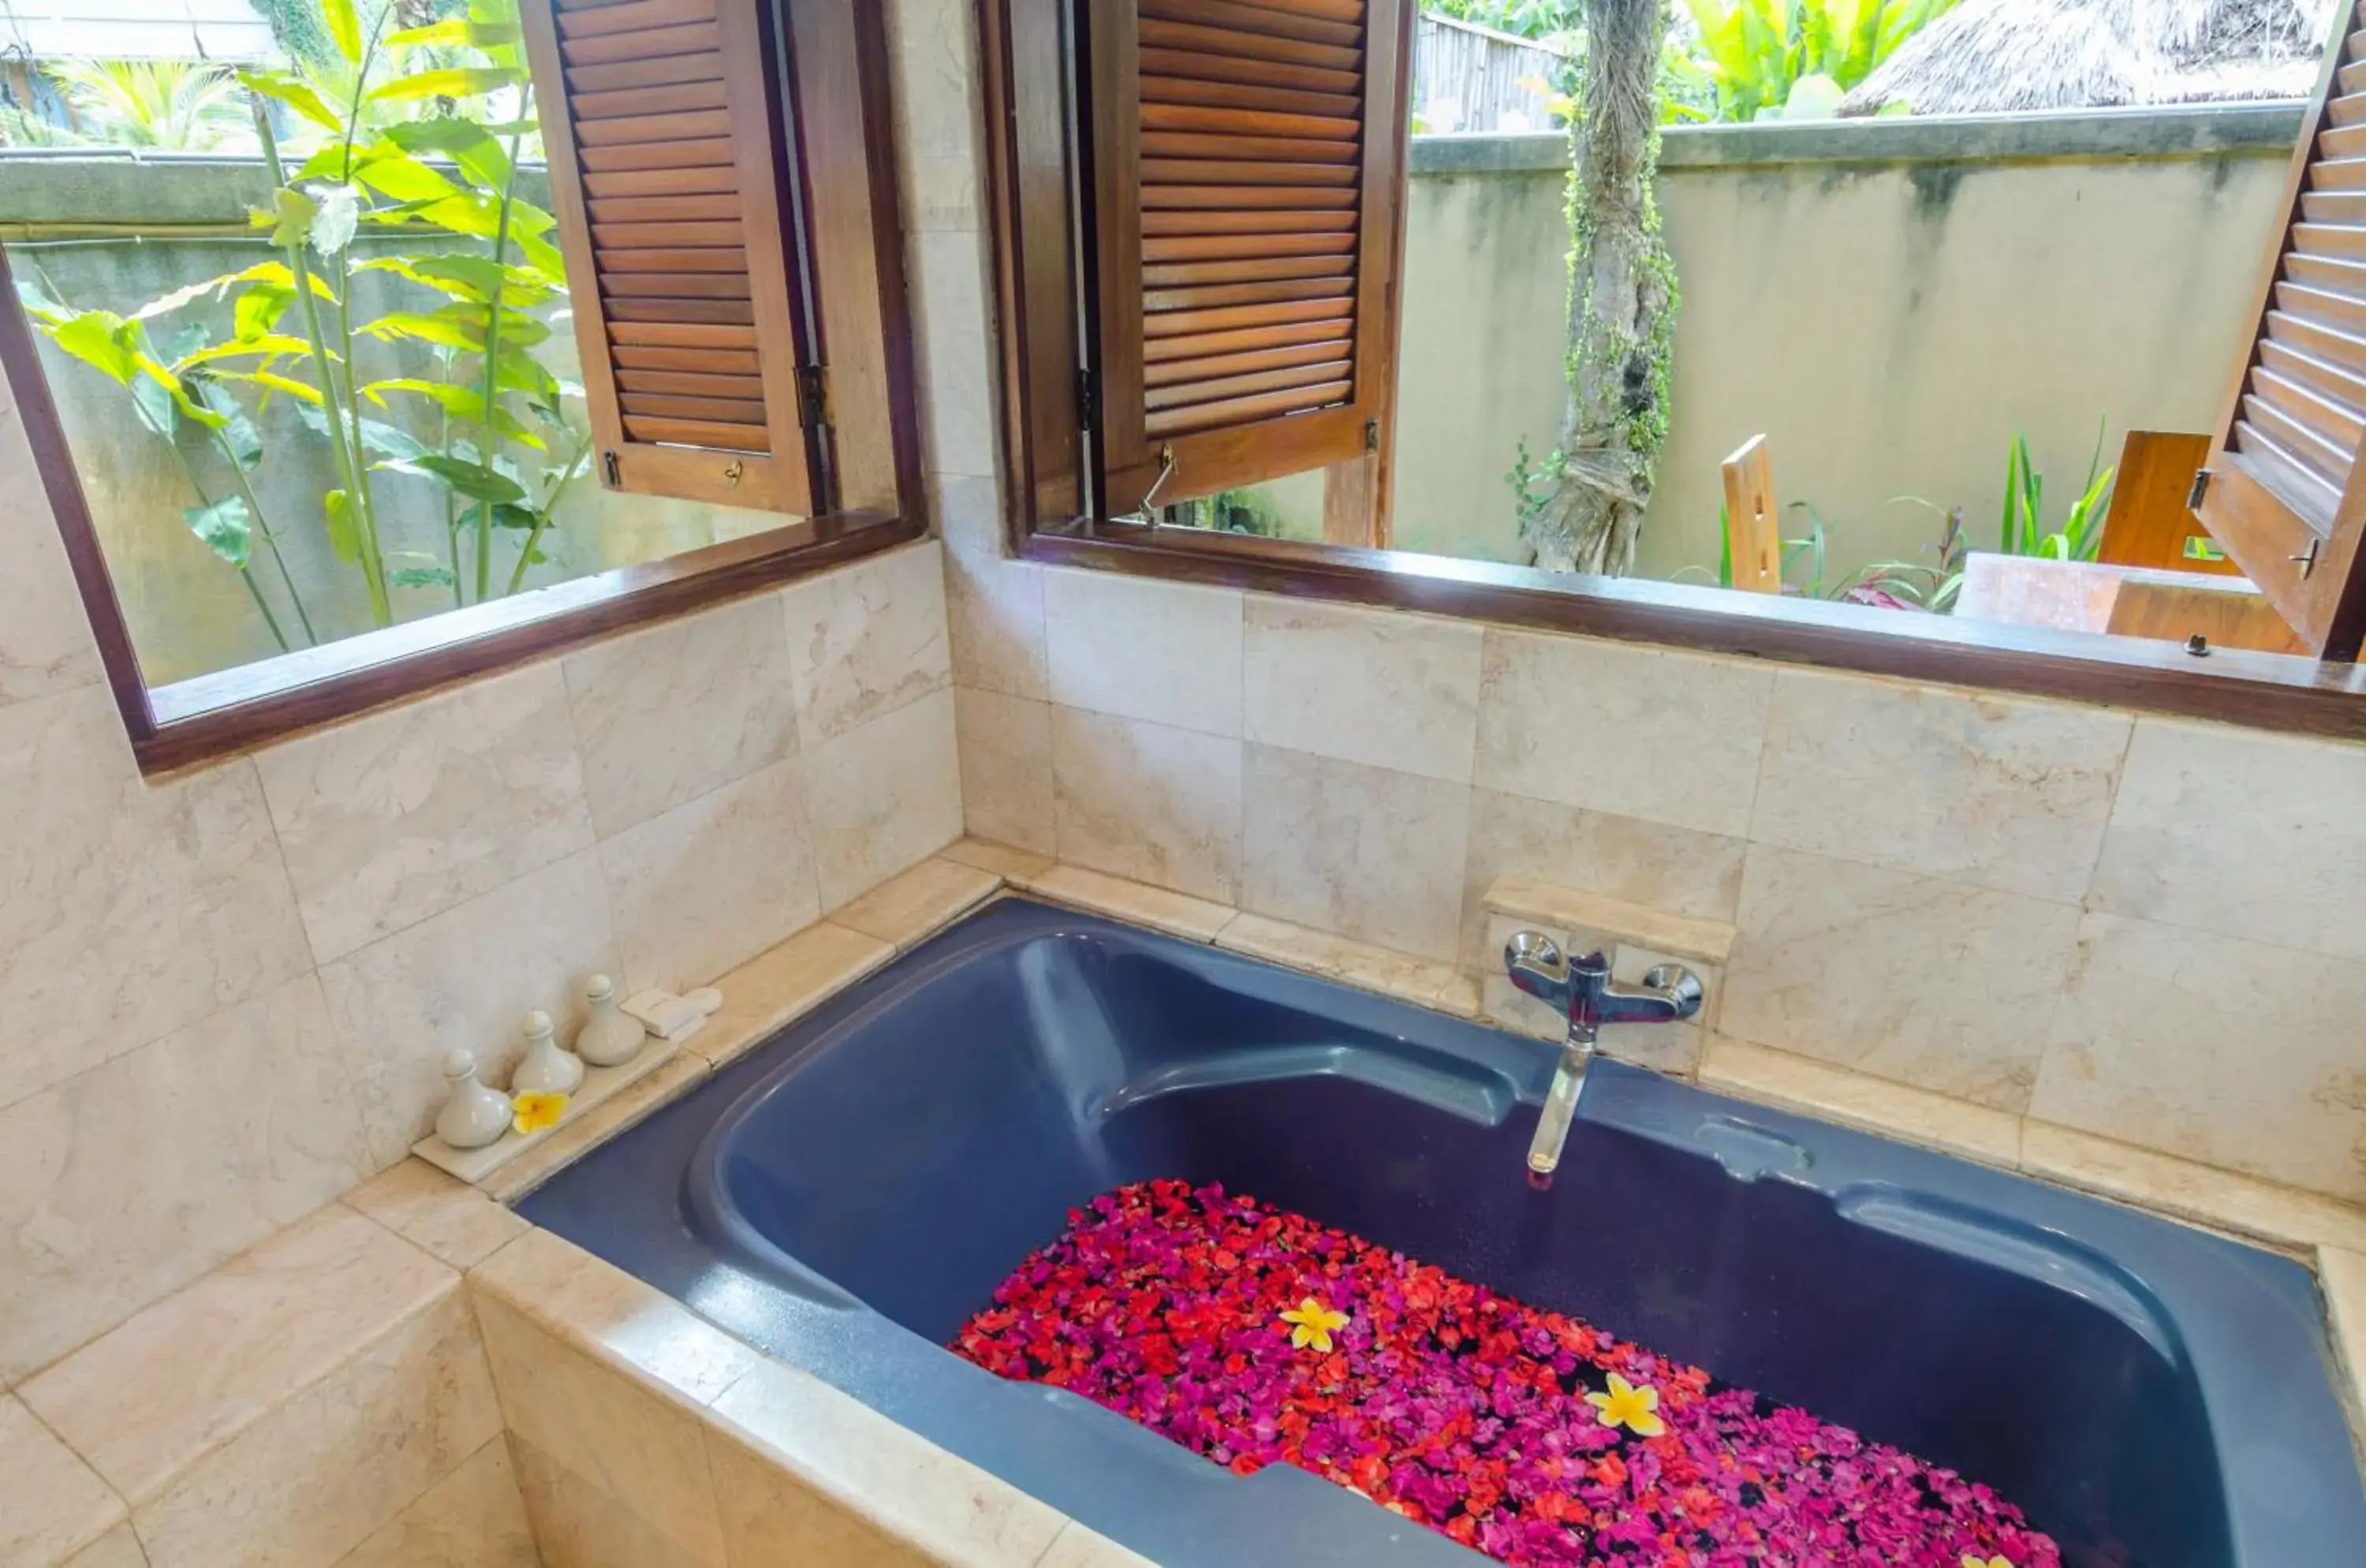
(218, 421)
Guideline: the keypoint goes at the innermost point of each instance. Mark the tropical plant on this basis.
(2023, 531)
(493, 441)
(1884, 585)
(174, 105)
(1797, 59)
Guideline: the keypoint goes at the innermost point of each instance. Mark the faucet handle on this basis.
(1679, 985)
(1535, 965)
(1533, 949)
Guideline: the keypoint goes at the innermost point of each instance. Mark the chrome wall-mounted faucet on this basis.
(1581, 989)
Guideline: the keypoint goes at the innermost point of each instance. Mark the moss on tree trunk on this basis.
(1622, 306)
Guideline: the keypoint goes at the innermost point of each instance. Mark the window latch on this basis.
(2306, 560)
(2200, 488)
(813, 395)
(611, 470)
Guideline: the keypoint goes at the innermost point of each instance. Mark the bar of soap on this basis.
(665, 1015)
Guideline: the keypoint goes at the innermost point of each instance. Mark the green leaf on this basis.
(508, 515)
(290, 219)
(464, 142)
(437, 329)
(309, 397)
(474, 480)
(270, 343)
(284, 87)
(458, 32)
(237, 433)
(344, 27)
(226, 527)
(419, 577)
(394, 174)
(154, 402)
(95, 338)
(259, 309)
(453, 82)
(337, 518)
(379, 438)
(165, 304)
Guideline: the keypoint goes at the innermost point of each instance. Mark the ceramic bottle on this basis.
(548, 1068)
(473, 1115)
(610, 1039)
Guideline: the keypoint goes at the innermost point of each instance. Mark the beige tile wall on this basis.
(227, 992)
(2138, 927)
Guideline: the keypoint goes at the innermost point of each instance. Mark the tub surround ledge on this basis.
(321, 1401)
(637, 1412)
(2341, 1273)
(54, 1509)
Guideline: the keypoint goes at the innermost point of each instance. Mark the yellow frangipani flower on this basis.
(1974, 1560)
(1627, 1406)
(1315, 1323)
(535, 1111)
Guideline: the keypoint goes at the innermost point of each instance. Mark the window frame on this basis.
(848, 167)
(1032, 168)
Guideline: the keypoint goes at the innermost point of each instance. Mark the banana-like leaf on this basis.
(226, 527)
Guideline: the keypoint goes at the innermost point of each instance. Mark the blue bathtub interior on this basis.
(847, 1194)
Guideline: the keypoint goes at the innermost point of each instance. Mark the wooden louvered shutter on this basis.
(668, 169)
(1248, 169)
(2285, 493)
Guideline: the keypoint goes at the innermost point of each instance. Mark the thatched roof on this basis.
(1993, 56)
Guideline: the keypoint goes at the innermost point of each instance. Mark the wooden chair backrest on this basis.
(1753, 522)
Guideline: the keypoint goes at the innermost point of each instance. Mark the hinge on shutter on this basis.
(813, 395)
(611, 470)
(1088, 397)
(2200, 488)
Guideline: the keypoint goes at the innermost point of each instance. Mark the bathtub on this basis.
(845, 1195)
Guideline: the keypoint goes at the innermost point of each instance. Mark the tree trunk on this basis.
(1621, 307)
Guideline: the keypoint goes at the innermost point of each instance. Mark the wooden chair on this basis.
(2149, 523)
(1753, 522)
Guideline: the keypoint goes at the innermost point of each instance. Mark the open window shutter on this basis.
(1249, 161)
(2285, 493)
(668, 167)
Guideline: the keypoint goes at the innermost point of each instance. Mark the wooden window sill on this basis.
(2269, 691)
(195, 721)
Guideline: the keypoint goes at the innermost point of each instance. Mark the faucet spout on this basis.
(1559, 1108)
(1581, 989)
